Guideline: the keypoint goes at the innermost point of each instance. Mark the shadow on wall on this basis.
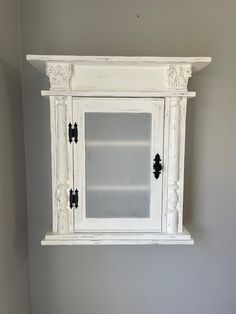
(13, 223)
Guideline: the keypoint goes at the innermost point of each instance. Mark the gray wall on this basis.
(14, 272)
(142, 279)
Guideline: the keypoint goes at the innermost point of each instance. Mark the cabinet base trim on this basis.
(111, 238)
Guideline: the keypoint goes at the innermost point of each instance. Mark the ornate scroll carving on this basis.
(178, 76)
(59, 75)
(62, 166)
(173, 166)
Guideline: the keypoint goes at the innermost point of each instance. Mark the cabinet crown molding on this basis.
(117, 74)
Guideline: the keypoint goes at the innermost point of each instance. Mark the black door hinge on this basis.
(74, 198)
(73, 132)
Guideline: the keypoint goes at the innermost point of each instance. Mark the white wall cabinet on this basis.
(117, 148)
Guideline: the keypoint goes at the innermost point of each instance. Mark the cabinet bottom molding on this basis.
(119, 238)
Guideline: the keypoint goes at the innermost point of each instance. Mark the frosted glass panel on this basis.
(117, 165)
(118, 170)
(118, 126)
(118, 204)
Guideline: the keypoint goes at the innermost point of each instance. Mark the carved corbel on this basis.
(178, 76)
(59, 75)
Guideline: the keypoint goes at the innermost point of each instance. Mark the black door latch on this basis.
(157, 167)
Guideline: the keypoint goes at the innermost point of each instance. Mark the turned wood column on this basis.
(173, 165)
(62, 165)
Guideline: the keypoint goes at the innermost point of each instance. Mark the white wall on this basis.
(141, 279)
(14, 272)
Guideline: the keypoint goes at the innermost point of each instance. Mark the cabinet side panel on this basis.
(183, 109)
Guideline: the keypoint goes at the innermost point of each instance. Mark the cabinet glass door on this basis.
(113, 160)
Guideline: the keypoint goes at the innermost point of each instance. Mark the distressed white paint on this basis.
(178, 75)
(173, 165)
(165, 164)
(118, 84)
(130, 94)
(118, 74)
(119, 237)
(59, 75)
(39, 61)
(183, 107)
(60, 111)
(62, 166)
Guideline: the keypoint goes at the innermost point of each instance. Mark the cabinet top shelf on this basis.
(114, 76)
(39, 61)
